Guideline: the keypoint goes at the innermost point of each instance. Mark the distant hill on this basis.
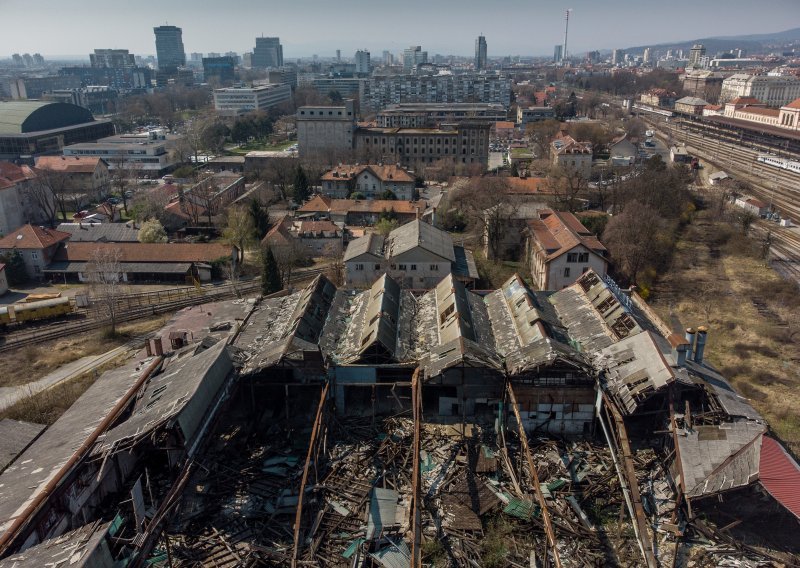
(751, 43)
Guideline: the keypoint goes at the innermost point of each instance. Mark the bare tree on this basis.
(55, 184)
(239, 230)
(202, 198)
(635, 239)
(566, 184)
(42, 197)
(104, 274)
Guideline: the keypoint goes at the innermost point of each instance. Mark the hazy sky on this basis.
(306, 27)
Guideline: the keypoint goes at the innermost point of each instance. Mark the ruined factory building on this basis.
(309, 427)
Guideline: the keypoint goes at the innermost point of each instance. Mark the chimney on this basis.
(701, 344)
(690, 333)
(679, 348)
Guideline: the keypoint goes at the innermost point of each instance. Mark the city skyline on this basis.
(533, 30)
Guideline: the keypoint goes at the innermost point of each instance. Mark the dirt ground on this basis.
(31, 362)
(719, 279)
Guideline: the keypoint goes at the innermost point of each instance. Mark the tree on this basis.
(149, 205)
(388, 194)
(386, 226)
(15, 268)
(541, 133)
(51, 184)
(259, 218)
(104, 274)
(42, 196)
(152, 231)
(635, 239)
(566, 184)
(302, 189)
(239, 231)
(270, 274)
(357, 195)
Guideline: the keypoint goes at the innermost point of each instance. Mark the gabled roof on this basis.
(384, 172)
(316, 204)
(69, 164)
(12, 174)
(527, 186)
(100, 232)
(371, 244)
(558, 232)
(745, 101)
(323, 204)
(279, 234)
(794, 104)
(568, 145)
(694, 101)
(30, 237)
(419, 234)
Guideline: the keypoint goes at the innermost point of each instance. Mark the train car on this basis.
(34, 311)
(783, 163)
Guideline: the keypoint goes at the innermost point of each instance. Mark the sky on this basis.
(448, 27)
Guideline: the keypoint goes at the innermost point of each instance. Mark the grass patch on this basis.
(719, 279)
(32, 362)
(494, 546)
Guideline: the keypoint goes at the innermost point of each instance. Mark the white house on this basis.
(371, 180)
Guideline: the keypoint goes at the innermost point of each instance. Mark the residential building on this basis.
(34, 128)
(81, 232)
(326, 131)
(347, 87)
(413, 56)
(466, 144)
(691, 105)
(239, 100)
(559, 249)
(534, 114)
(112, 58)
(361, 212)
(622, 151)
(169, 47)
(362, 62)
(658, 98)
(571, 155)
(220, 69)
(147, 153)
(123, 79)
(201, 203)
(480, 53)
(142, 262)
(385, 90)
(36, 87)
(268, 52)
(20, 200)
(99, 99)
(86, 176)
(772, 90)
(37, 245)
(431, 115)
(316, 237)
(371, 180)
(696, 55)
(416, 255)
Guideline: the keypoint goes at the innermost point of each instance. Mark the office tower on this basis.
(480, 53)
(617, 56)
(169, 47)
(268, 52)
(646, 56)
(558, 53)
(697, 52)
(414, 56)
(388, 58)
(339, 56)
(362, 61)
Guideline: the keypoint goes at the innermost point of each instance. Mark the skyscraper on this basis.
(169, 47)
(696, 54)
(558, 53)
(646, 56)
(617, 56)
(112, 58)
(413, 56)
(268, 52)
(480, 53)
(362, 62)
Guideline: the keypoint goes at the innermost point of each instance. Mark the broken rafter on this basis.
(314, 433)
(416, 518)
(548, 527)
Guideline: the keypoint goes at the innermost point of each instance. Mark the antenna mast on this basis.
(566, 33)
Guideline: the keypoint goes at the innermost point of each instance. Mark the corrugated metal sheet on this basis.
(396, 555)
(780, 475)
(382, 511)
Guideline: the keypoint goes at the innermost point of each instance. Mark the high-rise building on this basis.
(697, 52)
(558, 53)
(338, 55)
(480, 53)
(388, 58)
(268, 52)
(219, 68)
(617, 56)
(38, 60)
(362, 62)
(169, 47)
(414, 56)
(113, 58)
(646, 56)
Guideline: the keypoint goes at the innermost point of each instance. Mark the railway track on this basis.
(88, 320)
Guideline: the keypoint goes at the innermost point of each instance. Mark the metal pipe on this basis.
(13, 532)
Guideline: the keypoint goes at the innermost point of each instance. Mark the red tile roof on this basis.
(68, 164)
(324, 226)
(745, 101)
(279, 234)
(504, 124)
(322, 204)
(388, 172)
(527, 186)
(11, 174)
(794, 104)
(780, 475)
(33, 238)
(558, 232)
(773, 112)
(146, 252)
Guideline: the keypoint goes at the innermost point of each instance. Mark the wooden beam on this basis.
(416, 516)
(314, 432)
(523, 436)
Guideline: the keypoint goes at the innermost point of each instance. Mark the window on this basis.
(583, 257)
(566, 272)
(403, 267)
(413, 267)
(34, 255)
(377, 267)
(359, 267)
(434, 267)
(572, 257)
(584, 270)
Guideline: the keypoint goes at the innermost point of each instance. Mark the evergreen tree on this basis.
(15, 268)
(301, 185)
(260, 218)
(270, 274)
